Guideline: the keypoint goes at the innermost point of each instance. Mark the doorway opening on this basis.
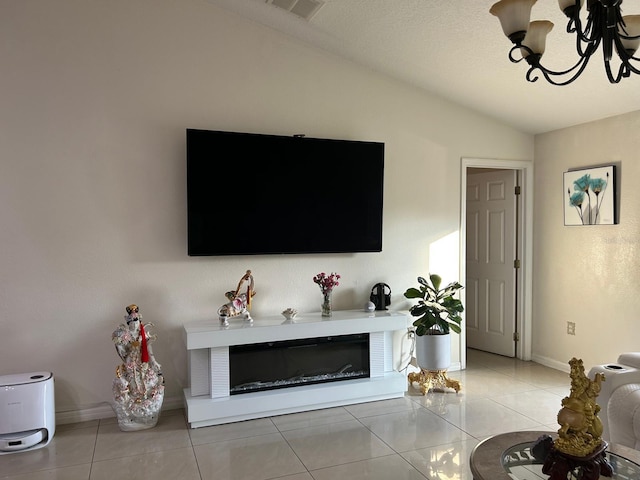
(485, 292)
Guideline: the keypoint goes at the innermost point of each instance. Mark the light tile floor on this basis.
(414, 437)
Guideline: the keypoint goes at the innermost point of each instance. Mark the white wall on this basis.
(95, 98)
(587, 275)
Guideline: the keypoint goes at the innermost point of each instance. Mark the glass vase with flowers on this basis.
(326, 284)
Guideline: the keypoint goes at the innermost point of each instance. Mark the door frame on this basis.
(525, 240)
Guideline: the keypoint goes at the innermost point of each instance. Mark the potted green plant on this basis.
(438, 313)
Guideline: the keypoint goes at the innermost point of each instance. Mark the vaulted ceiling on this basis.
(456, 49)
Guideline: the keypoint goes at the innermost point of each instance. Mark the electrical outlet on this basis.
(571, 328)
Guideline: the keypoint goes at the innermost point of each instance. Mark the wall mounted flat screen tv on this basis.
(252, 194)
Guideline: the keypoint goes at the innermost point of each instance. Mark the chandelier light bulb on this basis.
(536, 38)
(514, 16)
(569, 6)
(631, 28)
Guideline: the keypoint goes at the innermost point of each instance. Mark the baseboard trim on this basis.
(551, 363)
(106, 411)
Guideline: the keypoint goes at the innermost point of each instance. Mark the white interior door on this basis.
(491, 252)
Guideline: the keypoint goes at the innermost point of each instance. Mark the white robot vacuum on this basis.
(27, 411)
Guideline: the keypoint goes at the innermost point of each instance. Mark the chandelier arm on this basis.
(628, 37)
(534, 79)
(589, 33)
(587, 48)
(630, 66)
(549, 74)
(589, 39)
(583, 60)
(513, 49)
(622, 72)
(573, 25)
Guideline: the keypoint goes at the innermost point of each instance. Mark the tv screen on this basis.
(251, 194)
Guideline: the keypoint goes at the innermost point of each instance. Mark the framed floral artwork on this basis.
(589, 196)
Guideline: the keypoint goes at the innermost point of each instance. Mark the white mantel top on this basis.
(210, 334)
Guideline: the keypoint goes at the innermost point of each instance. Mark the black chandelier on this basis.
(604, 25)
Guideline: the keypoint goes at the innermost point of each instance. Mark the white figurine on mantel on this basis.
(138, 388)
(290, 314)
(239, 302)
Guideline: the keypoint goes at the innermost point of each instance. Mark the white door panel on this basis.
(491, 251)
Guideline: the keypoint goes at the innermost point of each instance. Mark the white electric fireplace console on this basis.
(208, 401)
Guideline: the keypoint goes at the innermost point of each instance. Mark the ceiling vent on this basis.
(304, 9)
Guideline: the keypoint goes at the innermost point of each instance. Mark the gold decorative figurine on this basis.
(579, 446)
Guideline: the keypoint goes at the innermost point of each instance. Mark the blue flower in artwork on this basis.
(582, 200)
(576, 199)
(598, 185)
(582, 183)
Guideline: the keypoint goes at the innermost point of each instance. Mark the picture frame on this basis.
(589, 196)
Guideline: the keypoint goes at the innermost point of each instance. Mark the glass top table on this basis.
(508, 457)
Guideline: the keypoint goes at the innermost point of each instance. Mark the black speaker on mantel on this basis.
(381, 296)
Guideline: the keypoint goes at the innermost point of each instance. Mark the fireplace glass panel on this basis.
(290, 363)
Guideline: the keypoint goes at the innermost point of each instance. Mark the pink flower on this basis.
(326, 283)
(238, 303)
